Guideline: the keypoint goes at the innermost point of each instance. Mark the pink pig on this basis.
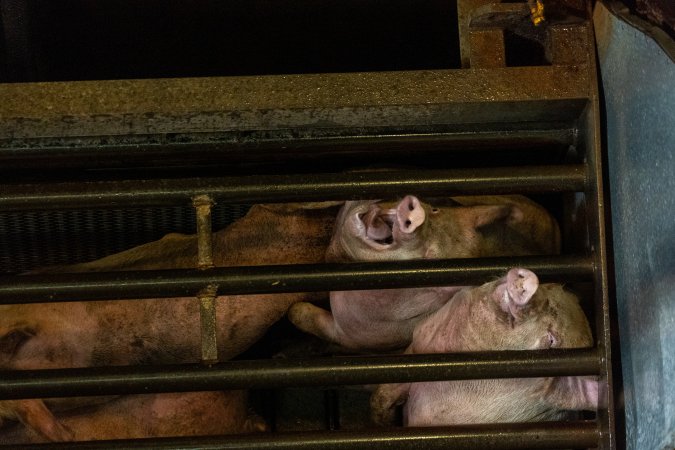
(367, 231)
(512, 313)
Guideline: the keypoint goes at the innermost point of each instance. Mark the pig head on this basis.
(410, 229)
(512, 313)
(368, 231)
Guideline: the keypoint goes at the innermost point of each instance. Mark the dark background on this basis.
(114, 39)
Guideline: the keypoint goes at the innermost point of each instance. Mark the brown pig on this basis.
(385, 319)
(151, 415)
(161, 331)
(512, 313)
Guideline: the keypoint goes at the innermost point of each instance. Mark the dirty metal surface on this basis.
(640, 113)
(128, 107)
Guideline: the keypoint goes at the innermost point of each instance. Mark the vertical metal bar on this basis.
(331, 405)
(596, 215)
(207, 296)
(203, 204)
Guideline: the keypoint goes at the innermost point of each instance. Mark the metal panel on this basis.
(639, 89)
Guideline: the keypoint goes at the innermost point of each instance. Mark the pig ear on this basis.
(482, 215)
(521, 285)
(516, 289)
(11, 341)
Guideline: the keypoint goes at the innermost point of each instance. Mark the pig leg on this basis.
(35, 415)
(573, 393)
(384, 401)
(313, 320)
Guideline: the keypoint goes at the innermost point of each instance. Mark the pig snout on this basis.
(410, 214)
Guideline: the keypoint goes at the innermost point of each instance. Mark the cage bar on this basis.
(254, 374)
(511, 436)
(283, 278)
(293, 188)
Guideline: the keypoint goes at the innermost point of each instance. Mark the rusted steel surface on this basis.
(369, 99)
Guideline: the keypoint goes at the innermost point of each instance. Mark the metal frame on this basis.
(94, 123)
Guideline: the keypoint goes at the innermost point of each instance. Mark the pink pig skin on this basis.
(513, 313)
(384, 320)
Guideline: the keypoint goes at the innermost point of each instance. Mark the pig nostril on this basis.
(408, 223)
(411, 206)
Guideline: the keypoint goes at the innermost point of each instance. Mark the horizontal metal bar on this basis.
(292, 188)
(283, 278)
(365, 99)
(522, 436)
(229, 146)
(276, 373)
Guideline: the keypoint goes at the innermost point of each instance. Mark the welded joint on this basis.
(207, 318)
(203, 205)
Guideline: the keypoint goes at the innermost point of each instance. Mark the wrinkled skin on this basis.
(136, 416)
(160, 331)
(368, 231)
(513, 313)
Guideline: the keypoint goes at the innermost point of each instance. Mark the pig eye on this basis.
(434, 210)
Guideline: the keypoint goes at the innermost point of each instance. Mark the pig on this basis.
(383, 320)
(476, 226)
(160, 331)
(151, 415)
(511, 313)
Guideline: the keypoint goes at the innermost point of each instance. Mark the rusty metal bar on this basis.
(207, 296)
(278, 373)
(294, 188)
(202, 205)
(511, 436)
(207, 320)
(284, 278)
(595, 210)
(105, 152)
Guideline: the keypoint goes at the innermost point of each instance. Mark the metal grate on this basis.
(516, 106)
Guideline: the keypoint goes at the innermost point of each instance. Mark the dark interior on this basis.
(118, 39)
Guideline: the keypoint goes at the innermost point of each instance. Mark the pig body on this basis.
(513, 313)
(151, 415)
(160, 331)
(368, 231)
